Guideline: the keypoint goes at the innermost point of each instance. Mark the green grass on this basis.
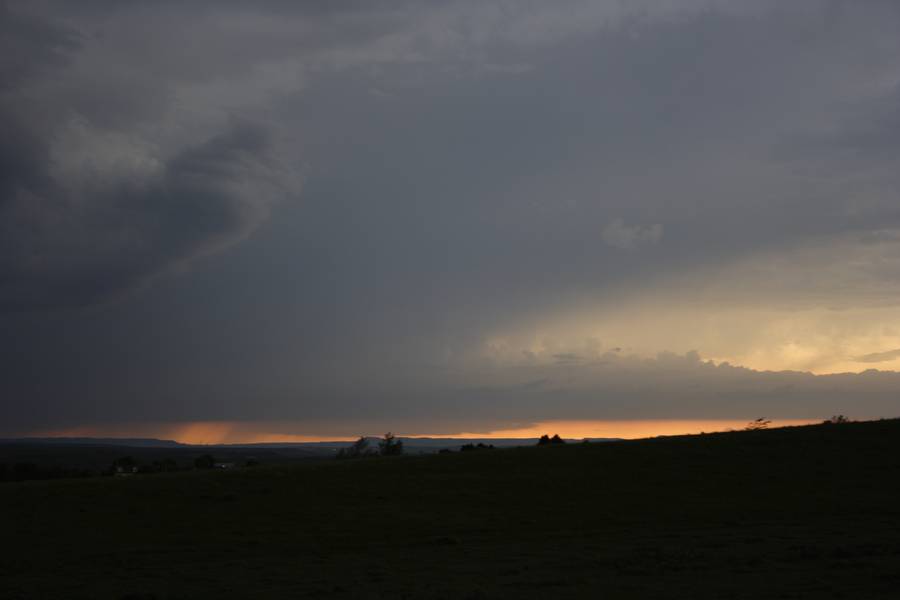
(807, 512)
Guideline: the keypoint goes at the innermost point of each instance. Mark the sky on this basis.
(254, 221)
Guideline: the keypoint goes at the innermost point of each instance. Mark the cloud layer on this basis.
(97, 198)
(487, 187)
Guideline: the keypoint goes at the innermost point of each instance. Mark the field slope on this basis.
(807, 512)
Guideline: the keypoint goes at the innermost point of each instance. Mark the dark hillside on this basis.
(810, 512)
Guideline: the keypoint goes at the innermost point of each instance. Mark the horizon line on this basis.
(212, 433)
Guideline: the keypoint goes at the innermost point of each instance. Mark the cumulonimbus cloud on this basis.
(67, 244)
(91, 204)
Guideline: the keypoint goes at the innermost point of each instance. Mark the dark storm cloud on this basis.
(677, 386)
(29, 45)
(436, 91)
(61, 249)
(482, 180)
(121, 211)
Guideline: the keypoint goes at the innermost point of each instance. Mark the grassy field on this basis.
(810, 512)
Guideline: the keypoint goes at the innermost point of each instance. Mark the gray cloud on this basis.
(30, 45)
(876, 357)
(65, 246)
(668, 386)
(91, 205)
(474, 176)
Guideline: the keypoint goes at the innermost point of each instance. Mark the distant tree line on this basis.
(758, 424)
(836, 420)
(478, 446)
(547, 440)
(388, 445)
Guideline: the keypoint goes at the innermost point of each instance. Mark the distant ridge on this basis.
(411, 443)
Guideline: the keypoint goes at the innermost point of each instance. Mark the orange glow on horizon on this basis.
(238, 432)
(634, 429)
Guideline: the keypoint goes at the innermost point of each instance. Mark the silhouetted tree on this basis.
(836, 420)
(390, 445)
(556, 439)
(544, 440)
(758, 424)
(359, 448)
(355, 450)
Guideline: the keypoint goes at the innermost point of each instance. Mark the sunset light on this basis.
(360, 299)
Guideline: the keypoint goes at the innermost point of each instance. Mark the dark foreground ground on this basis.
(811, 512)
